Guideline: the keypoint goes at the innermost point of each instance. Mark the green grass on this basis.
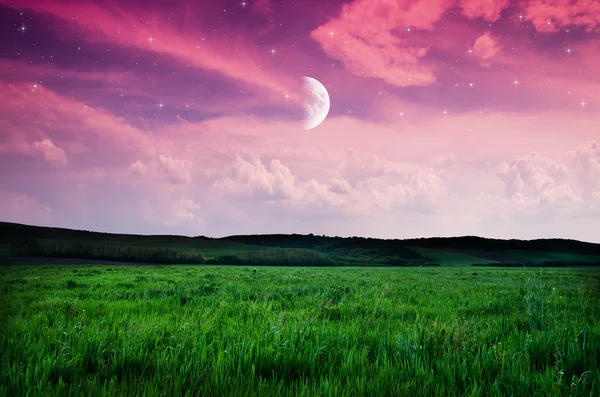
(450, 258)
(272, 331)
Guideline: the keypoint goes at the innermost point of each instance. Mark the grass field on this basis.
(234, 331)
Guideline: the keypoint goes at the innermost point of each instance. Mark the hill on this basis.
(17, 240)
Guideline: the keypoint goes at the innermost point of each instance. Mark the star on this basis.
(244, 3)
(445, 112)
(23, 28)
(287, 97)
(471, 84)
(151, 39)
(516, 82)
(582, 103)
(408, 29)
(273, 51)
(331, 33)
(568, 50)
(160, 105)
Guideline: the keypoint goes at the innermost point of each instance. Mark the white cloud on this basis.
(173, 170)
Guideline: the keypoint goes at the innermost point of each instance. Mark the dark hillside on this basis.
(290, 249)
(486, 244)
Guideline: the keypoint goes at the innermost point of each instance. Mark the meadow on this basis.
(91, 330)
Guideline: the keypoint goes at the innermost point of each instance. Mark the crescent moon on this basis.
(316, 102)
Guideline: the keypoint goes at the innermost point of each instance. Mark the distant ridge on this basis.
(12, 230)
(18, 240)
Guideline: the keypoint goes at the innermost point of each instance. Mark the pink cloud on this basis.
(125, 27)
(44, 122)
(490, 10)
(43, 149)
(24, 71)
(50, 152)
(553, 15)
(138, 168)
(367, 38)
(486, 47)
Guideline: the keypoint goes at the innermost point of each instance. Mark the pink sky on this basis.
(447, 117)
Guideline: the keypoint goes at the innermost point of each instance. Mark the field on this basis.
(237, 331)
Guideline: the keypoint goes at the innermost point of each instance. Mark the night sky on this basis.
(476, 117)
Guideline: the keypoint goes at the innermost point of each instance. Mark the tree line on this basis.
(107, 252)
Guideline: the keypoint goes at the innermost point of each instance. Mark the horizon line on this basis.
(298, 234)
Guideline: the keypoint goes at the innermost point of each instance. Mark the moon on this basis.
(316, 103)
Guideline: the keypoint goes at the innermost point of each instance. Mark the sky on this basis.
(447, 118)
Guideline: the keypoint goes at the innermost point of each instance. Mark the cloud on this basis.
(276, 184)
(423, 192)
(530, 174)
(12, 70)
(534, 183)
(186, 210)
(339, 185)
(123, 26)
(171, 212)
(553, 15)
(560, 195)
(138, 168)
(50, 152)
(44, 149)
(173, 170)
(360, 164)
(585, 161)
(486, 47)
(251, 179)
(490, 10)
(368, 38)
(46, 123)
